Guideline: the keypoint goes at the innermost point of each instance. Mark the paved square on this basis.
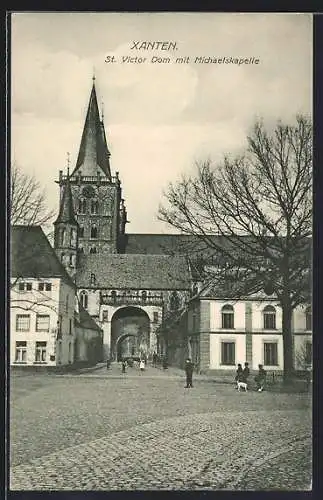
(107, 431)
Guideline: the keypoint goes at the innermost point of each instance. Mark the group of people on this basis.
(156, 360)
(242, 375)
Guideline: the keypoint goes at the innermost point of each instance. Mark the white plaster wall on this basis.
(215, 349)
(216, 314)
(67, 316)
(299, 319)
(258, 351)
(48, 303)
(299, 341)
(93, 307)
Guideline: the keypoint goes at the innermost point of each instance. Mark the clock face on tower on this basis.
(88, 192)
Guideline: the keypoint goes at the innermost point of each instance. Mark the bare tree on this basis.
(28, 204)
(253, 213)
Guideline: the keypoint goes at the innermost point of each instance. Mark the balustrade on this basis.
(108, 299)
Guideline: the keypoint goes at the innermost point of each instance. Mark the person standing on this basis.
(239, 373)
(124, 364)
(189, 373)
(142, 365)
(260, 379)
(245, 373)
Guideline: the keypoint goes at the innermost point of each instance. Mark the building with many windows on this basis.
(224, 332)
(139, 289)
(47, 325)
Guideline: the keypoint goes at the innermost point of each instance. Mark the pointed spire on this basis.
(66, 209)
(93, 150)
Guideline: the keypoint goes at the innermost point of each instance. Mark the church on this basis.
(140, 288)
(128, 283)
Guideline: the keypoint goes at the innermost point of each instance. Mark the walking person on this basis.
(154, 359)
(124, 364)
(142, 365)
(189, 373)
(260, 379)
(245, 373)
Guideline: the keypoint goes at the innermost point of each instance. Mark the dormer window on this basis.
(92, 279)
(93, 250)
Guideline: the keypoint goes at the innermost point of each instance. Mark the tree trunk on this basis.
(287, 340)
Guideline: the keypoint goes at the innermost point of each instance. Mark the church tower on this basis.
(96, 194)
(66, 231)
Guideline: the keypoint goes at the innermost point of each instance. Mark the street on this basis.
(104, 430)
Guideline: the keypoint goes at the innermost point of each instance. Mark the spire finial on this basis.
(68, 163)
(93, 77)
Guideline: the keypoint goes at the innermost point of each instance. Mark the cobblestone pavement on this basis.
(92, 432)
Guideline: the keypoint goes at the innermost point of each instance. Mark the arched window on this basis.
(63, 232)
(63, 258)
(92, 279)
(82, 206)
(227, 317)
(71, 260)
(308, 318)
(81, 232)
(84, 299)
(269, 318)
(81, 250)
(93, 250)
(94, 206)
(73, 237)
(174, 301)
(94, 231)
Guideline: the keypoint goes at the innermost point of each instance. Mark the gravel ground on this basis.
(105, 431)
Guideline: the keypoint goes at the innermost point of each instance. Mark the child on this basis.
(238, 377)
(142, 365)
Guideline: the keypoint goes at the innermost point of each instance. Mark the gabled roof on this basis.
(120, 271)
(32, 255)
(66, 209)
(170, 244)
(93, 150)
(83, 319)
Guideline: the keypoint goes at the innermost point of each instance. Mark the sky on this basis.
(160, 118)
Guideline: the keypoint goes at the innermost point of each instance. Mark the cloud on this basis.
(159, 118)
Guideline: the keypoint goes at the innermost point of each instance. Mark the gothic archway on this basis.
(130, 329)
